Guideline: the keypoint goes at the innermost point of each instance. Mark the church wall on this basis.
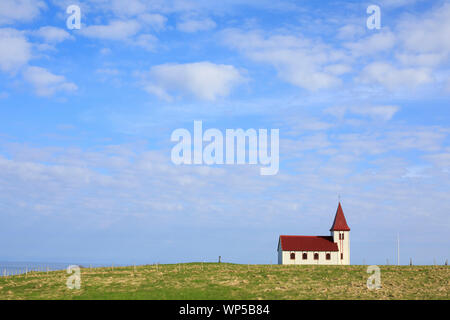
(286, 258)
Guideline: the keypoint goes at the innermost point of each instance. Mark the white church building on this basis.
(327, 250)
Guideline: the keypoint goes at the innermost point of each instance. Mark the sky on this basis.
(86, 117)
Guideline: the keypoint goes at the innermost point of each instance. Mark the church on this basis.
(326, 250)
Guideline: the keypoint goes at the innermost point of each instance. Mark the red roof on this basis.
(308, 243)
(339, 224)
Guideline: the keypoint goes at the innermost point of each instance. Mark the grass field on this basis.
(232, 281)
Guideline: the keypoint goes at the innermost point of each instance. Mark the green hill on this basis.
(232, 281)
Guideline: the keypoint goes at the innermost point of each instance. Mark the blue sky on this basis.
(86, 117)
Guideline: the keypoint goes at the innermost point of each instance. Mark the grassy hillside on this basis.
(230, 281)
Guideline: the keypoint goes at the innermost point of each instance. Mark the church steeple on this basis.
(339, 224)
(341, 235)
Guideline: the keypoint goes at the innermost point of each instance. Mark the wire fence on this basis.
(16, 268)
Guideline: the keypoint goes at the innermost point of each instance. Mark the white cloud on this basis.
(109, 74)
(19, 10)
(397, 3)
(46, 83)
(350, 31)
(115, 30)
(146, 41)
(297, 126)
(421, 59)
(156, 21)
(392, 78)
(425, 139)
(105, 51)
(295, 148)
(194, 25)
(427, 35)
(158, 91)
(384, 113)
(419, 139)
(298, 60)
(15, 50)
(127, 7)
(203, 80)
(52, 34)
(421, 44)
(107, 71)
(441, 160)
(447, 86)
(416, 172)
(15, 53)
(378, 112)
(373, 44)
(408, 56)
(338, 69)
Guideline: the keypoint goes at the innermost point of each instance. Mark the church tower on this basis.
(341, 235)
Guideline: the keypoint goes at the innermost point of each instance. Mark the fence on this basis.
(16, 268)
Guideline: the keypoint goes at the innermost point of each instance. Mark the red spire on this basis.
(339, 224)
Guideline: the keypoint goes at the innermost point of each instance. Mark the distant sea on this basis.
(8, 268)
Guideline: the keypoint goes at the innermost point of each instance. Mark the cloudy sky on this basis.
(86, 117)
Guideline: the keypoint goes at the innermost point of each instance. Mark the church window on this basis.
(292, 256)
(305, 256)
(328, 256)
(316, 256)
